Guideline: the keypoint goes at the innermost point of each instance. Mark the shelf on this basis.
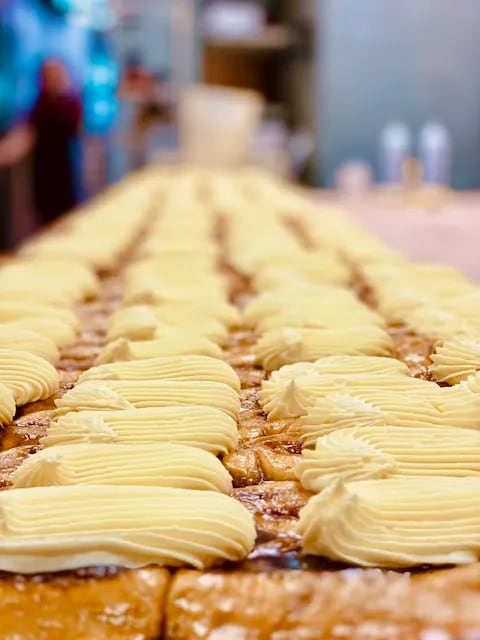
(270, 39)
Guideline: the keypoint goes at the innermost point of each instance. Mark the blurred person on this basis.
(55, 120)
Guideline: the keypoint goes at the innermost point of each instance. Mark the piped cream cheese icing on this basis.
(48, 529)
(166, 290)
(285, 346)
(203, 427)
(290, 402)
(328, 318)
(340, 364)
(395, 522)
(141, 323)
(118, 394)
(275, 396)
(179, 312)
(161, 464)
(13, 336)
(307, 266)
(28, 376)
(53, 282)
(362, 453)
(455, 360)
(458, 405)
(7, 405)
(16, 310)
(176, 343)
(167, 368)
(59, 331)
(321, 301)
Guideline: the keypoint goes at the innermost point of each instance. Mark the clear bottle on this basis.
(395, 147)
(435, 153)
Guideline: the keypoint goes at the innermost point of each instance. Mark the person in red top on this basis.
(55, 120)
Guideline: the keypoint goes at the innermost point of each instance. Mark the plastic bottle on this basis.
(435, 153)
(395, 146)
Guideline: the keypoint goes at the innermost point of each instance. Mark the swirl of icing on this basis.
(436, 323)
(61, 333)
(176, 343)
(57, 528)
(17, 310)
(318, 385)
(458, 405)
(395, 522)
(363, 453)
(341, 411)
(135, 323)
(162, 465)
(167, 368)
(314, 386)
(289, 401)
(91, 395)
(285, 346)
(29, 377)
(141, 323)
(310, 266)
(322, 300)
(125, 394)
(202, 427)
(53, 281)
(15, 337)
(455, 360)
(34, 290)
(210, 288)
(338, 364)
(321, 318)
(7, 405)
(179, 312)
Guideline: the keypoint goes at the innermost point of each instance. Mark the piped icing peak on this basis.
(176, 343)
(162, 464)
(455, 360)
(362, 453)
(197, 426)
(285, 346)
(126, 394)
(395, 522)
(291, 401)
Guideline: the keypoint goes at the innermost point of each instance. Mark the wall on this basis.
(380, 60)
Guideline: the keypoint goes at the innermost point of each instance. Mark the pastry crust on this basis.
(111, 604)
(347, 604)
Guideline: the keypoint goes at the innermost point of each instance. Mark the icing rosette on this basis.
(395, 522)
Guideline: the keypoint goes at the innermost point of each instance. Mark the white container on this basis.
(233, 19)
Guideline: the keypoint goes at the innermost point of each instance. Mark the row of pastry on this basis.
(41, 285)
(434, 301)
(129, 473)
(394, 459)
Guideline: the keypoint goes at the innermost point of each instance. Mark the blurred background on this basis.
(332, 93)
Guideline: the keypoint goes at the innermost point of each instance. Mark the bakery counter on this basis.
(443, 228)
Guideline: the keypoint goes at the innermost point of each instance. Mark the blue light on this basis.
(78, 6)
(100, 99)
